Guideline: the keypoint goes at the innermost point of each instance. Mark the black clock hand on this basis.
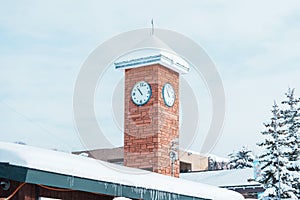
(140, 91)
(168, 93)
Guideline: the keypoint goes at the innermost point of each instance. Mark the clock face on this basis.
(168, 94)
(141, 93)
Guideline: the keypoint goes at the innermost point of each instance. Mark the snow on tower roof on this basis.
(59, 169)
(152, 51)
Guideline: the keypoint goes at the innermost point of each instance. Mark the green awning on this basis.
(33, 176)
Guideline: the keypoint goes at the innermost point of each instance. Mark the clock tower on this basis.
(151, 107)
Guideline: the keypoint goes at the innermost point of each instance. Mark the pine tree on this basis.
(241, 159)
(275, 176)
(291, 124)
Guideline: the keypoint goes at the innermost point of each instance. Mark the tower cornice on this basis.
(157, 58)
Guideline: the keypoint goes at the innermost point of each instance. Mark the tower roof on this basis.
(152, 51)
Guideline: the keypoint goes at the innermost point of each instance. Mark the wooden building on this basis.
(30, 173)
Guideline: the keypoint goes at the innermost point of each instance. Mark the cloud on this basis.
(255, 45)
(249, 101)
(278, 54)
(36, 100)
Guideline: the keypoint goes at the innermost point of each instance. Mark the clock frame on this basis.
(168, 94)
(141, 93)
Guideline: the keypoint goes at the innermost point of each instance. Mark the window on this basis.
(185, 167)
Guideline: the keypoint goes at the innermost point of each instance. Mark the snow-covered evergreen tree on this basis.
(241, 159)
(291, 123)
(275, 176)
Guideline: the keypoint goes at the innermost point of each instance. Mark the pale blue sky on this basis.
(255, 46)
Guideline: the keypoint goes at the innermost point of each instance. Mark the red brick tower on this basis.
(151, 115)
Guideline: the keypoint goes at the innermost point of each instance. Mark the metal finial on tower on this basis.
(152, 25)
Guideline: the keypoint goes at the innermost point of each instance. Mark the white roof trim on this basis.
(160, 58)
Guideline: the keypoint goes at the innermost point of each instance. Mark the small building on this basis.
(188, 160)
(239, 180)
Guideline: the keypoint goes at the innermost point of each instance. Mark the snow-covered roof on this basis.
(222, 178)
(217, 158)
(75, 167)
(152, 51)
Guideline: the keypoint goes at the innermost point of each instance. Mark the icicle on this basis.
(120, 191)
(115, 187)
(153, 195)
(71, 181)
(142, 192)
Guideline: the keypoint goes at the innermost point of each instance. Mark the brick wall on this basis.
(149, 129)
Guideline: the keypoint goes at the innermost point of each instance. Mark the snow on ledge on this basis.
(150, 56)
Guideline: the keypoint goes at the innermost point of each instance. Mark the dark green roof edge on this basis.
(34, 176)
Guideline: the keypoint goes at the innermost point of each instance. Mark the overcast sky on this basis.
(255, 46)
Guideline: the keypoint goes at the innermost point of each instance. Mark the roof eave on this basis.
(161, 59)
(34, 176)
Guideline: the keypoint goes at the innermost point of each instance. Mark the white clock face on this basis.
(168, 94)
(141, 93)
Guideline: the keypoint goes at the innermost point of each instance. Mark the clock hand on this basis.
(168, 93)
(140, 91)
